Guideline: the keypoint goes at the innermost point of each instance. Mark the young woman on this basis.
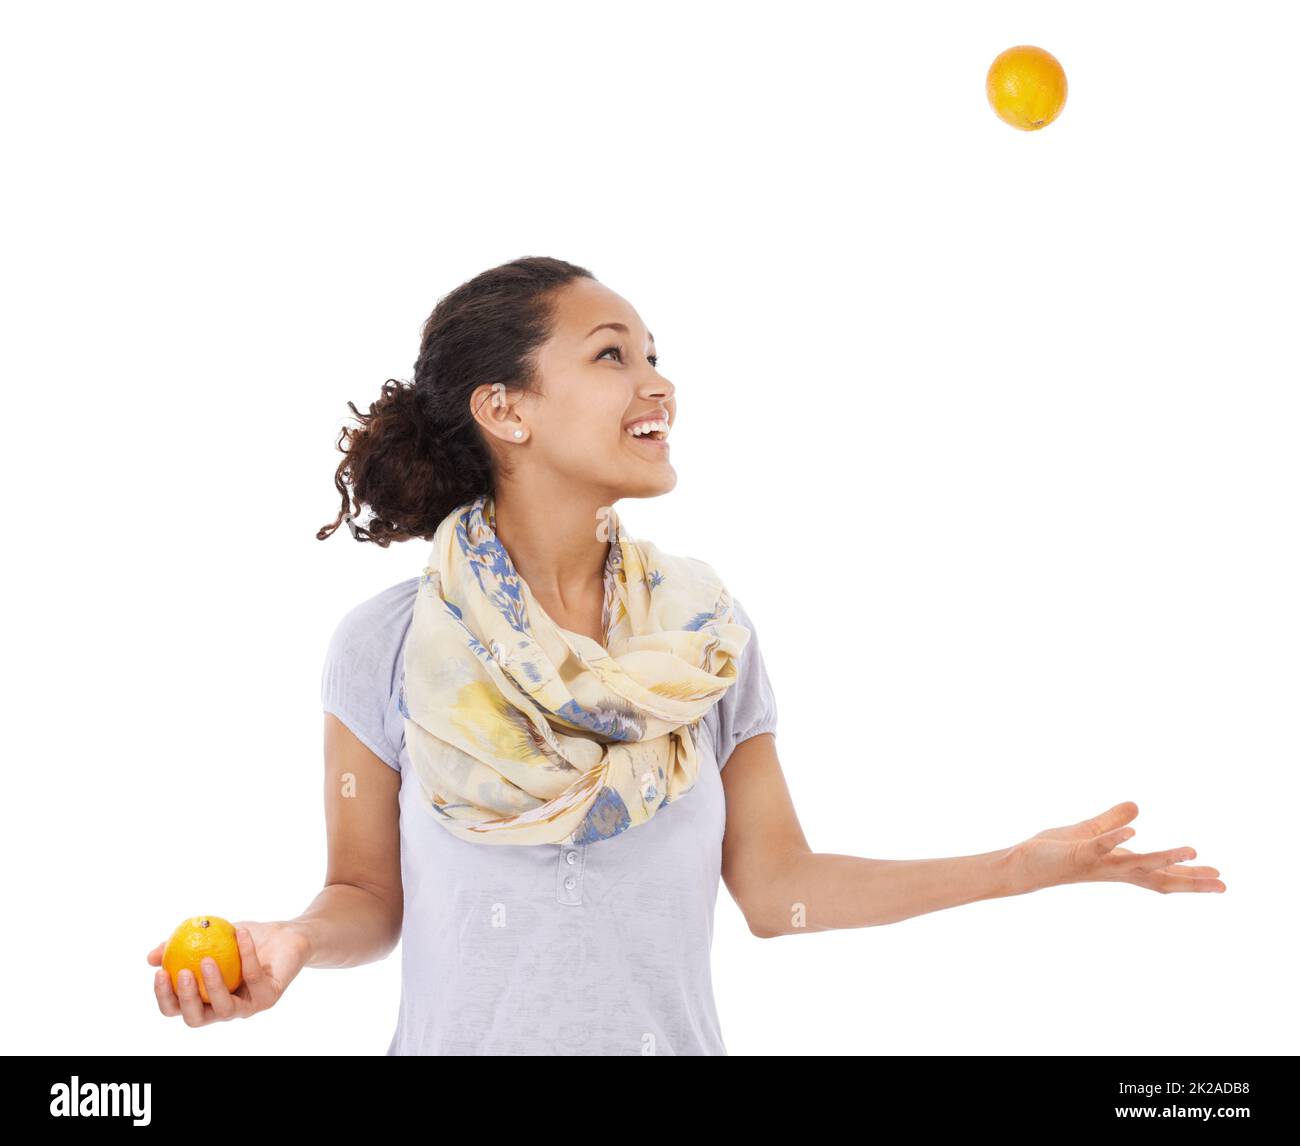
(543, 750)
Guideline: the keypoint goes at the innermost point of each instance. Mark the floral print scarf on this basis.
(522, 732)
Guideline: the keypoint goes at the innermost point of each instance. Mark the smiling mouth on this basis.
(652, 431)
(656, 441)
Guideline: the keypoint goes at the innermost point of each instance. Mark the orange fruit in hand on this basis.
(196, 938)
(1026, 87)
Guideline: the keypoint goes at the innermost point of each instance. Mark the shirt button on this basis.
(572, 857)
(570, 883)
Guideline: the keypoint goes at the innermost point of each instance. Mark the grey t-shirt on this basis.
(550, 949)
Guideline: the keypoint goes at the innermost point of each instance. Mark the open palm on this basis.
(1089, 851)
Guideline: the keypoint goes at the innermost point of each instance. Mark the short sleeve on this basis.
(748, 707)
(357, 680)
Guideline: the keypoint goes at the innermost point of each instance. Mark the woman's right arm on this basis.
(357, 916)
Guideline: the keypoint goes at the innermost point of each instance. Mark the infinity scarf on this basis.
(522, 732)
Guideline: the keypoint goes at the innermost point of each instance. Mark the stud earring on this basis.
(519, 433)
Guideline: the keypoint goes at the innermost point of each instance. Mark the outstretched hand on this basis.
(1089, 851)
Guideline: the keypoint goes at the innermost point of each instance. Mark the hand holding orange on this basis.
(196, 938)
(1026, 87)
(255, 961)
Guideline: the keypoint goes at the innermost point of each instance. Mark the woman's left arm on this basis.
(783, 887)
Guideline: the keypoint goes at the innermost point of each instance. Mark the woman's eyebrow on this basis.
(614, 326)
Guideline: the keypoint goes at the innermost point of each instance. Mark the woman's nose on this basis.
(658, 388)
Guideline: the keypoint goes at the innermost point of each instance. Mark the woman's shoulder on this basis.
(360, 674)
(748, 707)
(741, 615)
(391, 602)
(378, 623)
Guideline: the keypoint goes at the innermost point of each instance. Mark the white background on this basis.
(992, 432)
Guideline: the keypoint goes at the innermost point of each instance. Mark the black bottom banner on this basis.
(206, 1095)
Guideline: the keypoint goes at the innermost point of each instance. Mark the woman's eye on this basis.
(653, 359)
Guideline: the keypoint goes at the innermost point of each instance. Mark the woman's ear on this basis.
(494, 408)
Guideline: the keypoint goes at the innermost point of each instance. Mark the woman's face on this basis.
(596, 382)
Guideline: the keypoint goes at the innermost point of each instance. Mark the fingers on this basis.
(1110, 819)
(261, 990)
(168, 1003)
(1154, 861)
(1165, 882)
(223, 1006)
(1161, 871)
(1104, 843)
(1178, 869)
(155, 956)
(191, 1003)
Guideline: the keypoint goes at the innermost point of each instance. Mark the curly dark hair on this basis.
(419, 453)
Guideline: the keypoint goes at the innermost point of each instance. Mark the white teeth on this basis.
(643, 428)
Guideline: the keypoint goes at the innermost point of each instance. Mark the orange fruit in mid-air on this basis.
(1026, 87)
(195, 938)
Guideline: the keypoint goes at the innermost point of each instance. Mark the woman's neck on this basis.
(554, 538)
